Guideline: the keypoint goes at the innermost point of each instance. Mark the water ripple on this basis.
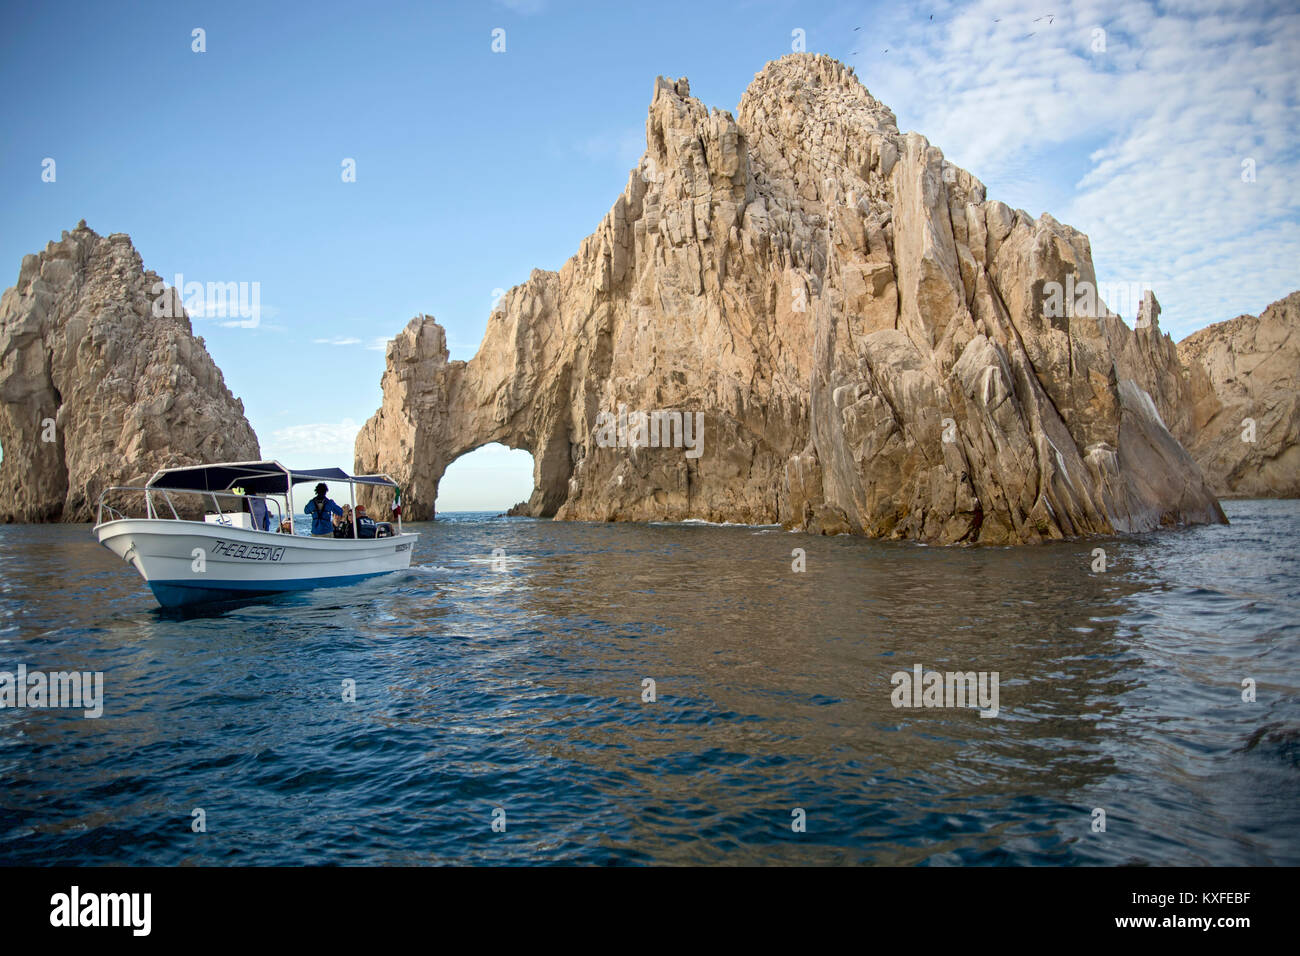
(482, 692)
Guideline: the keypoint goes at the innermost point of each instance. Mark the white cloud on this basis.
(523, 7)
(624, 147)
(1140, 145)
(324, 445)
(379, 344)
(248, 318)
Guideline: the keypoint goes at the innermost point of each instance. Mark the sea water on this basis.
(549, 692)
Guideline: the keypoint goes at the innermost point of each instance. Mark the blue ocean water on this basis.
(509, 688)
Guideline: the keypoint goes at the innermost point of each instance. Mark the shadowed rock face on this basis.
(85, 362)
(872, 345)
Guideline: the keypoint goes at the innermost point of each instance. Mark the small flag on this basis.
(397, 502)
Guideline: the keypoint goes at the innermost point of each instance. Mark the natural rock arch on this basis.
(443, 410)
(867, 336)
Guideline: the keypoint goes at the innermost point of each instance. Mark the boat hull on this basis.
(191, 562)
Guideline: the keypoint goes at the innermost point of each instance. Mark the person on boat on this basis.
(366, 526)
(343, 525)
(260, 512)
(321, 508)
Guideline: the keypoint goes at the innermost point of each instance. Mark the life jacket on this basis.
(319, 514)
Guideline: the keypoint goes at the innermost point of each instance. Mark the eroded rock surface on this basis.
(1243, 401)
(871, 341)
(95, 390)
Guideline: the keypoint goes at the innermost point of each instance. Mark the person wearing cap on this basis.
(366, 526)
(321, 508)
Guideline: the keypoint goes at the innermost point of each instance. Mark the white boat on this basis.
(238, 550)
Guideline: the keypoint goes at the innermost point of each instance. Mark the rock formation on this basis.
(872, 346)
(1229, 393)
(1243, 401)
(95, 388)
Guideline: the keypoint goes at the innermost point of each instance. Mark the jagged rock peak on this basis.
(870, 345)
(96, 387)
(815, 84)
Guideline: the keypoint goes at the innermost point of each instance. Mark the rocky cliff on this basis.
(1243, 402)
(867, 343)
(1229, 393)
(95, 388)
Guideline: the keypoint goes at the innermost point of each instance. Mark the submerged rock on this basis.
(95, 389)
(873, 346)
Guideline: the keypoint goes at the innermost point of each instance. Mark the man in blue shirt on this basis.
(260, 512)
(320, 508)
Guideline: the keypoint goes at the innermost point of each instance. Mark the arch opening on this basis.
(490, 478)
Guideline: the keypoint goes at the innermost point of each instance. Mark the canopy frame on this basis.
(261, 478)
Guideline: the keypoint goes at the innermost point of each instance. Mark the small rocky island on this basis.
(98, 389)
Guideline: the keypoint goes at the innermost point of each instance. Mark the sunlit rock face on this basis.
(871, 344)
(97, 386)
(1243, 402)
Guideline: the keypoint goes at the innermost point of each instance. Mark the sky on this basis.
(1165, 131)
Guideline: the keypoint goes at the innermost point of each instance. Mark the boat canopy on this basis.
(254, 477)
